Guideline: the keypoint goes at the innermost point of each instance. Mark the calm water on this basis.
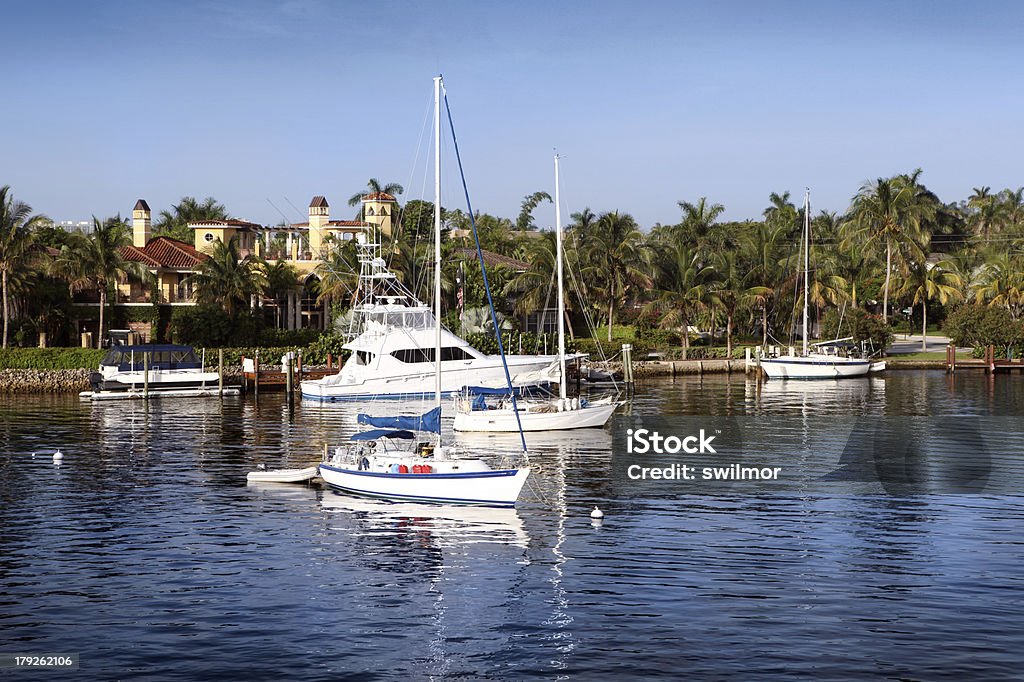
(148, 555)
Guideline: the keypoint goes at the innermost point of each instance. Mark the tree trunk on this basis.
(924, 325)
(686, 337)
(568, 325)
(6, 312)
(764, 325)
(611, 307)
(103, 304)
(728, 335)
(888, 270)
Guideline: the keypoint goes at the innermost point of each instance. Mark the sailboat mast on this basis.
(807, 258)
(437, 241)
(561, 285)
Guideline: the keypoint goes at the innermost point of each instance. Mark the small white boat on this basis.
(374, 466)
(877, 366)
(163, 368)
(282, 475)
(532, 415)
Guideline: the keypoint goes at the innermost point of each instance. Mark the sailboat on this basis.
(542, 415)
(375, 463)
(814, 364)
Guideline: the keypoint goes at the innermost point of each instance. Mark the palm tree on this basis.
(374, 186)
(615, 258)
(96, 260)
(226, 280)
(174, 223)
(531, 201)
(731, 289)
(1001, 283)
(532, 288)
(699, 221)
(760, 246)
(888, 212)
(681, 288)
(281, 277)
(16, 228)
(929, 282)
(339, 274)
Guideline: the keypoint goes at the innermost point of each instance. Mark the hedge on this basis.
(50, 358)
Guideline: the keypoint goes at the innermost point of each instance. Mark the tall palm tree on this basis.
(887, 213)
(281, 277)
(615, 258)
(760, 246)
(96, 260)
(682, 288)
(16, 226)
(339, 274)
(375, 186)
(225, 280)
(699, 221)
(532, 289)
(928, 282)
(530, 202)
(731, 288)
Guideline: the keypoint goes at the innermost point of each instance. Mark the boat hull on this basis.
(420, 385)
(823, 367)
(504, 421)
(497, 488)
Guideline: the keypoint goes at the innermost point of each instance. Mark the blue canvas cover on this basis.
(431, 421)
(374, 434)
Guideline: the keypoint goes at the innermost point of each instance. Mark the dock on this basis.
(255, 377)
(990, 363)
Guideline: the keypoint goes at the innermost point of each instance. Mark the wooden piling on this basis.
(145, 375)
(256, 375)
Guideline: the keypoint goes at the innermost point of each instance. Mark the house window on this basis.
(209, 236)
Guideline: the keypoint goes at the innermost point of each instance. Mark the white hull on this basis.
(156, 392)
(282, 475)
(504, 420)
(814, 367)
(500, 487)
(455, 375)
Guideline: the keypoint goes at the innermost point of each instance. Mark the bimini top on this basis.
(164, 356)
(374, 434)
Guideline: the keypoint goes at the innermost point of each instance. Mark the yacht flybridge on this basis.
(393, 346)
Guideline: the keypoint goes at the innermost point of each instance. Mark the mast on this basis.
(437, 242)
(807, 258)
(561, 297)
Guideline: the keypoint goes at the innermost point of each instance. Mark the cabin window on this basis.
(414, 355)
(363, 357)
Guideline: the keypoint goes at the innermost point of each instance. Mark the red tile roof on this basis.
(164, 252)
(348, 223)
(378, 196)
(492, 259)
(318, 202)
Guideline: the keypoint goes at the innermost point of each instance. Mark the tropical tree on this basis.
(375, 186)
(731, 289)
(532, 289)
(699, 222)
(681, 288)
(1001, 283)
(531, 201)
(887, 213)
(760, 246)
(16, 226)
(339, 274)
(927, 282)
(174, 223)
(280, 277)
(227, 281)
(615, 258)
(96, 260)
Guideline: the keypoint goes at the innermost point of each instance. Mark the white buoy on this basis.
(33, 455)
(58, 457)
(597, 514)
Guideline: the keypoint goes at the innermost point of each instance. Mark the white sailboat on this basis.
(539, 415)
(375, 465)
(813, 364)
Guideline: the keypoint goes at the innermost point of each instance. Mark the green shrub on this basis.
(861, 325)
(50, 358)
(979, 326)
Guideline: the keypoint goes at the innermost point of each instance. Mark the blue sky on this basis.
(648, 103)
